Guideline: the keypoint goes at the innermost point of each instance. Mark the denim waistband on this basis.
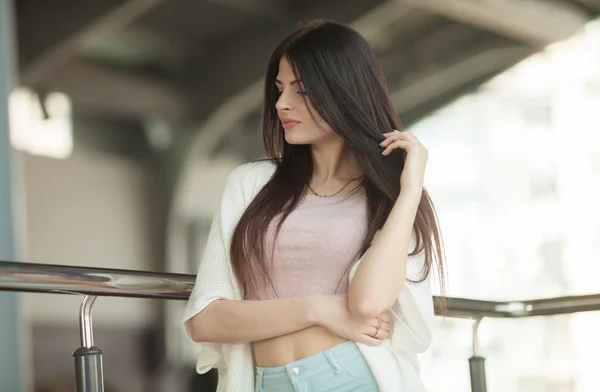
(325, 357)
(340, 368)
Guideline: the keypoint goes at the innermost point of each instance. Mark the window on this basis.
(41, 125)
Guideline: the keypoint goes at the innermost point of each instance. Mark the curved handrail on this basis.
(60, 279)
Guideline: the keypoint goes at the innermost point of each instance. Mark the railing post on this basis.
(88, 358)
(477, 363)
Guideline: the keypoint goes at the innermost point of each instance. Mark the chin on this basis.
(297, 139)
(302, 136)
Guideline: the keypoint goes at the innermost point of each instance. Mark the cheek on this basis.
(311, 130)
(317, 123)
(324, 128)
(317, 128)
(320, 128)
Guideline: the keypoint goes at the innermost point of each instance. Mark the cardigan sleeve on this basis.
(213, 281)
(413, 311)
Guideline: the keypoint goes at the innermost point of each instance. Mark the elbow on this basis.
(366, 308)
(197, 336)
(197, 331)
(203, 327)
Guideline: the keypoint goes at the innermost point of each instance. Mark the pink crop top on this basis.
(316, 247)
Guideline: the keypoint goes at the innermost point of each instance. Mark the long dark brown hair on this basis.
(346, 87)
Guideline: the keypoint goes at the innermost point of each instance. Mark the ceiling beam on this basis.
(103, 90)
(535, 22)
(224, 119)
(375, 24)
(593, 4)
(269, 9)
(247, 100)
(447, 78)
(214, 82)
(50, 36)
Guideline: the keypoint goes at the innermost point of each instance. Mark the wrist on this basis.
(410, 195)
(411, 191)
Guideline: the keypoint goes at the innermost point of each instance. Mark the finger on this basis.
(395, 131)
(375, 333)
(413, 138)
(404, 135)
(388, 321)
(390, 137)
(399, 136)
(383, 335)
(403, 144)
(388, 141)
(385, 316)
(369, 340)
(380, 333)
(384, 326)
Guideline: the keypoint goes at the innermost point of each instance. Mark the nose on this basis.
(282, 103)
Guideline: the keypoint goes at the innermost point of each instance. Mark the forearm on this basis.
(229, 321)
(382, 272)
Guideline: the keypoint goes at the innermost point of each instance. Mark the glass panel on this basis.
(515, 173)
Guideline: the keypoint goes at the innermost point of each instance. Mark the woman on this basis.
(316, 274)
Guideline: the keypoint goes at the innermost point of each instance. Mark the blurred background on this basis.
(120, 119)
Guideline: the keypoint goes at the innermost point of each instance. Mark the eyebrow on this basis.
(277, 81)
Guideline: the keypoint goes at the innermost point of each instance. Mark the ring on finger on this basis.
(376, 333)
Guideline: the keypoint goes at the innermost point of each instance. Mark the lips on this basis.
(287, 123)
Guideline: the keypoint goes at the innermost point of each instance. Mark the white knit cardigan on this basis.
(394, 363)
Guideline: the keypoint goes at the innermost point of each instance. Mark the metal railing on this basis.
(94, 282)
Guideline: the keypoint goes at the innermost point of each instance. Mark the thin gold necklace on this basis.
(336, 193)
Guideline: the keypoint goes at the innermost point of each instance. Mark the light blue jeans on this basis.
(341, 368)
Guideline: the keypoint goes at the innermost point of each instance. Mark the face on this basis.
(298, 124)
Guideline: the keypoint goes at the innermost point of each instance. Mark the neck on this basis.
(332, 163)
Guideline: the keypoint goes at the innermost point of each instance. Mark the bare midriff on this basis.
(316, 247)
(284, 349)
